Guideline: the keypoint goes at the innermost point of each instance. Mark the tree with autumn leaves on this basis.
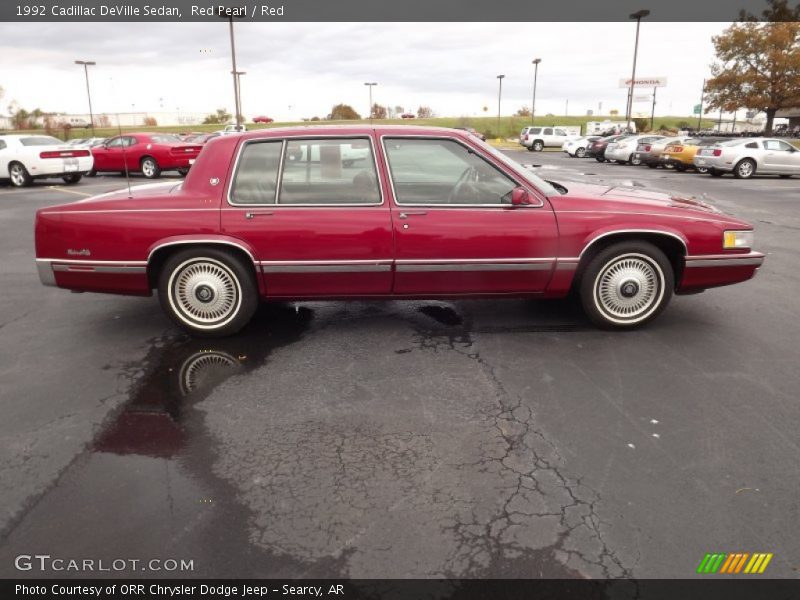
(758, 63)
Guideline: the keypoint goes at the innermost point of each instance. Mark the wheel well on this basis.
(141, 160)
(672, 248)
(160, 256)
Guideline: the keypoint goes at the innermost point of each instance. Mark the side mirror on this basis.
(520, 197)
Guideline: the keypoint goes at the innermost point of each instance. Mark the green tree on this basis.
(424, 112)
(523, 112)
(344, 112)
(758, 63)
(221, 116)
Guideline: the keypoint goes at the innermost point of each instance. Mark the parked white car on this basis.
(536, 139)
(577, 147)
(622, 150)
(744, 157)
(232, 129)
(24, 158)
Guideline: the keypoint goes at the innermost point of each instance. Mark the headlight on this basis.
(737, 240)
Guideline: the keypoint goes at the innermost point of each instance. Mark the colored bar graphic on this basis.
(734, 563)
(765, 563)
(702, 566)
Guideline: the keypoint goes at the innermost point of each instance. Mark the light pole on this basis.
(86, 64)
(238, 75)
(638, 15)
(499, 98)
(535, 63)
(369, 85)
(222, 14)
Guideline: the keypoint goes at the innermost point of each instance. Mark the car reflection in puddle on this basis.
(184, 370)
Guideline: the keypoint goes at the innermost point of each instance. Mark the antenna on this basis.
(124, 159)
(119, 128)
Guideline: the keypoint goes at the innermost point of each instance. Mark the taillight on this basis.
(526, 137)
(675, 149)
(717, 152)
(64, 153)
(647, 148)
(185, 150)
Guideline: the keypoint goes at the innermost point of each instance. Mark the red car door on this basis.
(110, 156)
(314, 211)
(456, 231)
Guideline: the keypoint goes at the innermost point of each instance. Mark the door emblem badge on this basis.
(213, 181)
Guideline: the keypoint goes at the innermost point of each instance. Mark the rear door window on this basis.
(329, 171)
(548, 131)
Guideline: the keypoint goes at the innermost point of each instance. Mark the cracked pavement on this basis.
(408, 439)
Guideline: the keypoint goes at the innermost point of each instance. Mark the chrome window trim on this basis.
(526, 185)
(617, 231)
(306, 136)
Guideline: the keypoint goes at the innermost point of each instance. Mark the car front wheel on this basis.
(537, 146)
(626, 285)
(208, 292)
(150, 168)
(580, 152)
(19, 175)
(636, 160)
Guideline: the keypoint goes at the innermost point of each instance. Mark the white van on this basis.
(608, 127)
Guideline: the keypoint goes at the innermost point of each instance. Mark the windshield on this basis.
(546, 188)
(41, 140)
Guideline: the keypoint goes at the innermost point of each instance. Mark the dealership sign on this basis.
(644, 82)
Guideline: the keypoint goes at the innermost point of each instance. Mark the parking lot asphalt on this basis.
(407, 439)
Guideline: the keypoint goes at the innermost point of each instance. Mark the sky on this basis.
(300, 70)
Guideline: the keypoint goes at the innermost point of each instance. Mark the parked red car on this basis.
(386, 212)
(262, 119)
(148, 153)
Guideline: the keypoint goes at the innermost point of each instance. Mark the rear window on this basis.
(535, 130)
(40, 140)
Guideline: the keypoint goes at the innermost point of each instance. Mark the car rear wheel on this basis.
(150, 168)
(580, 152)
(702, 170)
(626, 285)
(208, 292)
(19, 175)
(636, 160)
(785, 176)
(183, 172)
(744, 169)
(600, 158)
(537, 146)
(652, 165)
(72, 178)
(715, 173)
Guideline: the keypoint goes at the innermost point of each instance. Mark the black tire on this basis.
(537, 146)
(744, 169)
(715, 173)
(605, 285)
(91, 173)
(183, 172)
(785, 176)
(621, 162)
(19, 175)
(72, 178)
(223, 295)
(701, 170)
(680, 167)
(580, 152)
(652, 165)
(600, 158)
(635, 160)
(149, 167)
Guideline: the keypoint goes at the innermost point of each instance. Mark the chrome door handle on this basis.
(406, 214)
(250, 215)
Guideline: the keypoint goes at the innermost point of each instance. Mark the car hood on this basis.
(638, 196)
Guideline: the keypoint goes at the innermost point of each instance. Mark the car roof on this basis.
(310, 130)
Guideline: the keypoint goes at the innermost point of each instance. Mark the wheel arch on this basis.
(160, 252)
(672, 244)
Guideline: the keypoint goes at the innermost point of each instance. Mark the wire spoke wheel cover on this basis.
(204, 293)
(205, 369)
(629, 288)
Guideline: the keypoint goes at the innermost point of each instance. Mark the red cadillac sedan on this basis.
(385, 212)
(148, 153)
